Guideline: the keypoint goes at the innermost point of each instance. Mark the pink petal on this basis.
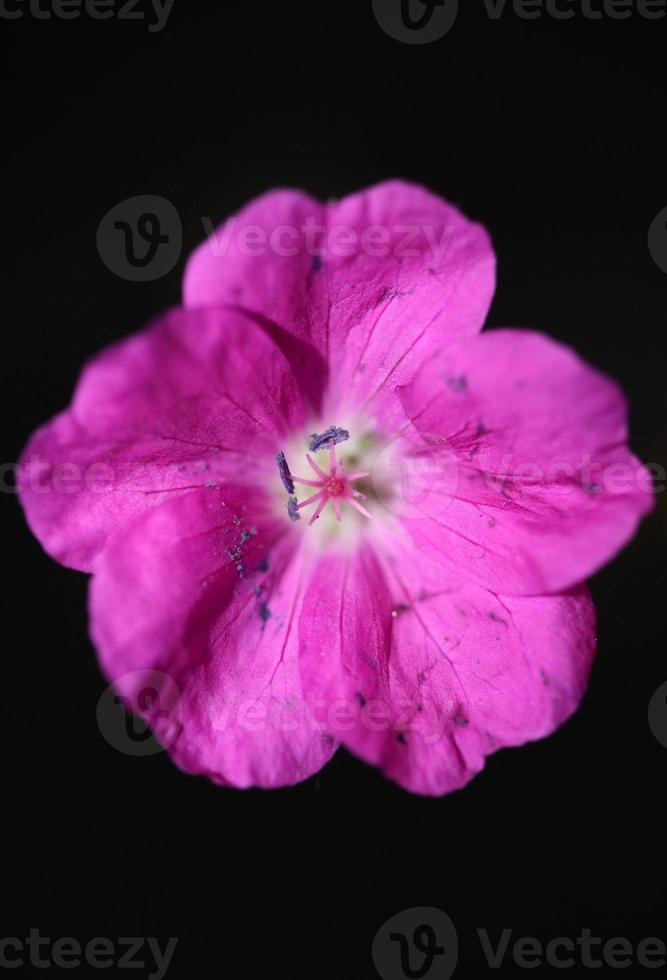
(425, 675)
(545, 490)
(169, 597)
(199, 397)
(401, 274)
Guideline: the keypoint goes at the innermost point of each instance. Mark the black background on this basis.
(552, 135)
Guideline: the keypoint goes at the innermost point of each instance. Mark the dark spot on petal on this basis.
(497, 619)
(399, 610)
(263, 565)
(360, 698)
(401, 738)
(459, 384)
(460, 719)
(264, 612)
(317, 262)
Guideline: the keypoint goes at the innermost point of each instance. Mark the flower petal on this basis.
(169, 597)
(377, 281)
(546, 490)
(199, 397)
(424, 675)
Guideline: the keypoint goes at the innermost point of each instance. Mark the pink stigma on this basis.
(332, 487)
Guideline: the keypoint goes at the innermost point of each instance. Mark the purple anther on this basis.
(331, 437)
(285, 474)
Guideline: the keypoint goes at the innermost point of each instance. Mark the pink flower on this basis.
(440, 619)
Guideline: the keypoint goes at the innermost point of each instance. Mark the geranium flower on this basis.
(463, 486)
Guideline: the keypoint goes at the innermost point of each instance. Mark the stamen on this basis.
(320, 507)
(311, 500)
(285, 474)
(358, 506)
(331, 438)
(322, 475)
(292, 508)
(334, 487)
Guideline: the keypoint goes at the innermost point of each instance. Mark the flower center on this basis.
(334, 487)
